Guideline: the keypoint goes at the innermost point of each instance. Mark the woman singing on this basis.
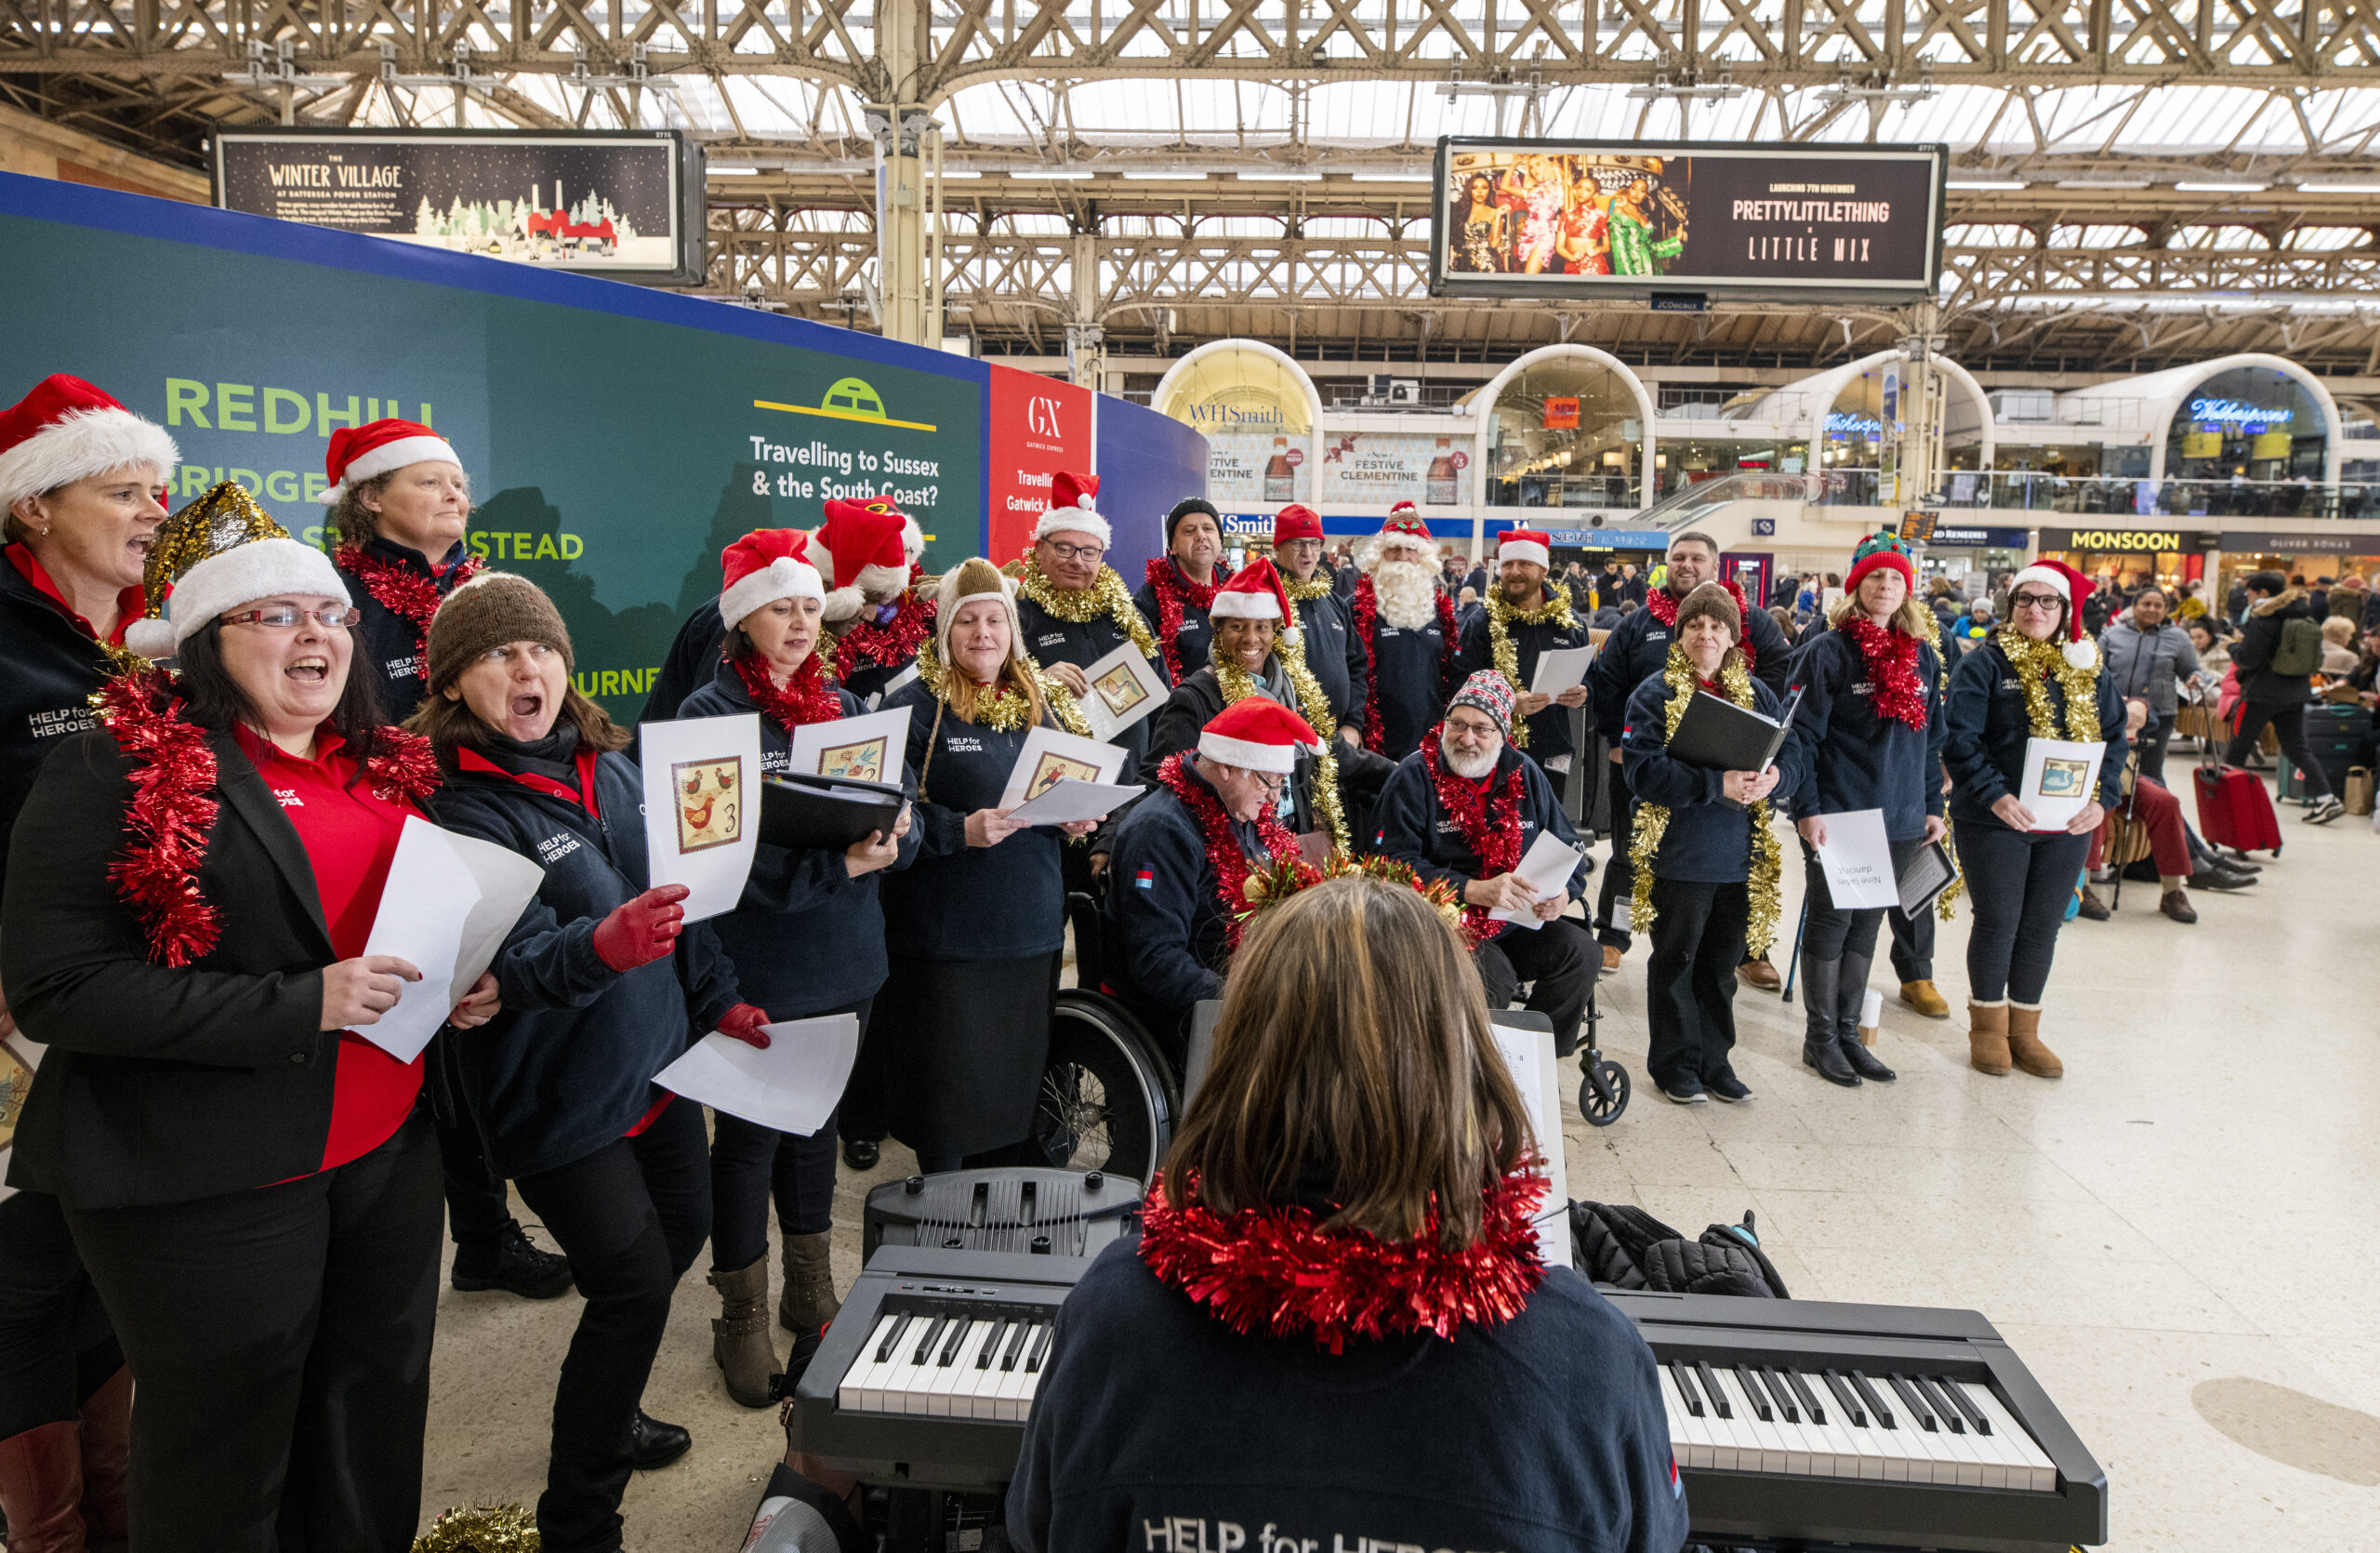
(2039, 677)
(807, 939)
(1335, 1315)
(250, 1182)
(975, 926)
(1869, 735)
(603, 993)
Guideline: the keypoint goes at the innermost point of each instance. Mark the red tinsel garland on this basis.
(866, 645)
(1490, 827)
(1223, 854)
(1274, 1270)
(1366, 606)
(1175, 594)
(404, 593)
(405, 770)
(1662, 604)
(809, 696)
(1891, 660)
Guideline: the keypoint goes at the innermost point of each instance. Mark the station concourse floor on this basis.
(2176, 1236)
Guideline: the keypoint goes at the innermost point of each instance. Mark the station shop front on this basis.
(2132, 557)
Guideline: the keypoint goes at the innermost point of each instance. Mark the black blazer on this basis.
(163, 1086)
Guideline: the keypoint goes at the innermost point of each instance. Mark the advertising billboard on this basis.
(626, 205)
(1254, 408)
(1380, 469)
(1039, 426)
(1629, 218)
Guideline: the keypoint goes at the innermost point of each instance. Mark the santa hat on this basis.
(1070, 509)
(216, 555)
(1491, 693)
(1879, 549)
(361, 453)
(1254, 592)
(65, 430)
(1403, 509)
(763, 566)
(963, 585)
(865, 546)
(1403, 530)
(2069, 585)
(1525, 544)
(1257, 734)
(1296, 520)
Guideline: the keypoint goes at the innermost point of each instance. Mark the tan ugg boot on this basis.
(739, 1334)
(2025, 1043)
(809, 1301)
(1988, 1037)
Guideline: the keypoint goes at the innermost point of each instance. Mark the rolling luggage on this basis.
(2233, 808)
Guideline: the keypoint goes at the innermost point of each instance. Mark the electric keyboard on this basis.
(1792, 1421)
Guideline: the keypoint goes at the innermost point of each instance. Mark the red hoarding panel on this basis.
(1037, 427)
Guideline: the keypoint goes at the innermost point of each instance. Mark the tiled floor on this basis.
(2178, 1237)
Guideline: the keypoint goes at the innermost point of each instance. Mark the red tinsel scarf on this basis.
(1891, 660)
(1663, 605)
(1176, 594)
(866, 645)
(1274, 1270)
(404, 593)
(807, 696)
(170, 813)
(1366, 606)
(1223, 854)
(1490, 826)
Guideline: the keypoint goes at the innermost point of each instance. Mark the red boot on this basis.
(41, 1487)
(107, 1461)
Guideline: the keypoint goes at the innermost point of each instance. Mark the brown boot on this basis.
(739, 1334)
(2025, 1043)
(809, 1301)
(107, 1462)
(1926, 999)
(1988, 1037)
(41, 1488)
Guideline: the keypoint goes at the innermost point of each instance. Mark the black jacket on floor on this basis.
(1166, 945)
(1707, 841)
(49, 664)
(1986, 729)
(1639, 647)
(1549, 731)
(1853, 757)
(385, 641)
(1415, 829)
(567, 1068)
(1336, 655)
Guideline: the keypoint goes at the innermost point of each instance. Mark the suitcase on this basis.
(2235, 811)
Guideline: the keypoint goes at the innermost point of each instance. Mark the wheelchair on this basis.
(1108, 1100)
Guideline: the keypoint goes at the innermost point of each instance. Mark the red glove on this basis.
(641, 931)
(744, 1023)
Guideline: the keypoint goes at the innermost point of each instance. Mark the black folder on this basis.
(1929, 873)
(1717, 735)
(825, 814)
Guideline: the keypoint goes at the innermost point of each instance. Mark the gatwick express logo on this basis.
(1042, 416)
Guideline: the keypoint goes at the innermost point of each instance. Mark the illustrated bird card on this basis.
(700, 823)
(1124, 688)
(710, 802)
(864, 749)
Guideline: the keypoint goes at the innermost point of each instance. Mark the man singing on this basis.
(1526, 616)
(1181, 586)
(1074, 608)
(1340, 662)
(1405, 623)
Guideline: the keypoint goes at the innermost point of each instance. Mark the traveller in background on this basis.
(2148, 656)
(2279, 648)
(1975, 624)
(2338, 646)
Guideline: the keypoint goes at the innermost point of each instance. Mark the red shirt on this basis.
(129, 603)
(351, 837)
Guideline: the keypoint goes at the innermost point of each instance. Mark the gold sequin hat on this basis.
(216, 555)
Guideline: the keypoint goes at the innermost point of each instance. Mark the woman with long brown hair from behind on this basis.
(1335, 1314)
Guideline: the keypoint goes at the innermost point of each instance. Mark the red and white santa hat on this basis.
(1403, 530)
(66, 429)
(763, 566)
(361, 453)
(1525, 544)
(1254, 592)
(216, 555)
(2069, 585)
(1257, 734)
(865, 546)
(1070, 509)
(1297, 520)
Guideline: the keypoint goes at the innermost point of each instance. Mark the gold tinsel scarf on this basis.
(2037, 663)
(1006, 709)
(1107, 596)
(1653, 820)
(1237, 682)
(1554, 610)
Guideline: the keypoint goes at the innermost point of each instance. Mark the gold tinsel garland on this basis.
(481, 1529)
(1107, 596)
(1007, 709)
(1237, 682)
(1652, 821)
(1303, 592)
(1554, 609)
(2039, 662)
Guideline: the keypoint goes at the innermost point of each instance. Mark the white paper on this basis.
(1546, 870)
(868, 749)
(792, 1086)
(1068, 800)
(2070, 774)
(1529, 1057)
(1125, 687)
(701, 807)
(1858, 860)
(895, 683)
(448, 903)
(1050, 756)
(1560, 669)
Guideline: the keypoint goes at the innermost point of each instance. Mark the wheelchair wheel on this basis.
(1603, 1090)
(1107, 1101)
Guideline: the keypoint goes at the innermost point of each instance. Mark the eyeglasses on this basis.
(2035, 601)
(1270, 781)
(1065, 552)
(1471, 730)
(283, 617)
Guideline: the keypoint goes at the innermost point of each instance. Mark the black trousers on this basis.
(1560, 956)
(279, 1340)
(56, 1346)
(1831, 933)
(2020, 883)
(1619, 875)
(1691, 983)
(751, 1164)
(1912, 943)
(631, 1217)
(477, 1212)
(2288, 719)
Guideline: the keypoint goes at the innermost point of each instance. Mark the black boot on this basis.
(1822, 984)
(512, 1264)
(654, 1443)
(1847, 1021)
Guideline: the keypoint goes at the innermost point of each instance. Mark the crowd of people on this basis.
(219, 1245)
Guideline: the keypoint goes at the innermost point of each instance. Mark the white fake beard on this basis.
(1408, 591)
(1470, 770)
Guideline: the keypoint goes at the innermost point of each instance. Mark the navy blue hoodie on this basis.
(1415, 829)
(1549, 731)
(1412, 682)
(1167, 946)
(1854, 758)
(1706, 843)
(1336, 654)
(1986, 729)
(388, 643)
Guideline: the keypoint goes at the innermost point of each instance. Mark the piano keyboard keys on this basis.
(1856, 1414)
(1688, 1395)
(947, 1366)
(1919, 1414)
(1711, 1389)
(1876, 1408)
